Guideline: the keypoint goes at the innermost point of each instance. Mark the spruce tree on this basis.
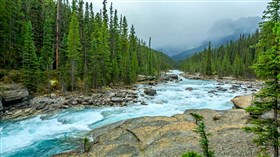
(133, 55)
(95, 53)
(30, 60)
(268, 68)
(47, 54)
(74, 48)
(209, 61)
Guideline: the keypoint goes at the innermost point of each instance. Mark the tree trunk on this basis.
(276, 134)
(72, 74)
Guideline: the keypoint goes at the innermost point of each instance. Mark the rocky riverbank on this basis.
(225, 80)
(23, 106)
(172, 136)
(17, 103)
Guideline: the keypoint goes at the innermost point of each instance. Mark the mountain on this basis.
(222, 32)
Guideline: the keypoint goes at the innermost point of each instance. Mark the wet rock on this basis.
(212, 91)
(143, 103)
(221, 89)
(189, 88)
(220, 83)
(152, 83)
(242, 102)
(171, 77)
(13, 92)
(150, 91)
(235, 87)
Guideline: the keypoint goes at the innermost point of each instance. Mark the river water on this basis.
(46, 136)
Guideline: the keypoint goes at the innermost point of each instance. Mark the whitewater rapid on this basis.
(45, 136)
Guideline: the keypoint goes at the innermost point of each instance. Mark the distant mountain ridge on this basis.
(222, 32)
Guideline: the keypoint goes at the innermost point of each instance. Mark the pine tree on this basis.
(74, 48)
(209, 61)
(86, 47)
(47, 54)
(268, 67)
(133, 55)
(30, 60)
(36, 16)
(95, 53)
(124, 51)
(106, 62)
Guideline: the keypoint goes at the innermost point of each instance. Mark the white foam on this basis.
(27, 132)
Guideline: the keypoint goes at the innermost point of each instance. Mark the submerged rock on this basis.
(150, 91)
(189, 88)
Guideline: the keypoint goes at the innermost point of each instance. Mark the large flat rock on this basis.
(172, 136)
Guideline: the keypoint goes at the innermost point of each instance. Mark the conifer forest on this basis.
(70, 43)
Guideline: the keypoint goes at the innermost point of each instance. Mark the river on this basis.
(46, 136)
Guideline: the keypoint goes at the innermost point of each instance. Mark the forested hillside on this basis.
(232, 59)
(81, 48)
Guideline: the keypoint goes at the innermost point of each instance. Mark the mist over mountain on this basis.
(222, 32)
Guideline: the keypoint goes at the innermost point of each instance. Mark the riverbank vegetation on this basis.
(72, 46)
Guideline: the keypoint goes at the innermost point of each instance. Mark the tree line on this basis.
(83, 49)
(232, 59)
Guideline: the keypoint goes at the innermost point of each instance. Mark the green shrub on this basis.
(191, 154)
(86, 144)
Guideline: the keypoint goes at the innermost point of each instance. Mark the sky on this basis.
(178, 25)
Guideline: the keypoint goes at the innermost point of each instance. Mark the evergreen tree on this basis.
(133, 56)
(209, 61)
(95, 53)
(47, 54)
(74, 48)
(124, 51)
(30, 60)
(93, 50)
(86, 46)
(268, 67)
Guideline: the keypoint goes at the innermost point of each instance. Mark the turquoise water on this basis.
(45, 136)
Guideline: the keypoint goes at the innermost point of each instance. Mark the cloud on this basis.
(180, 24)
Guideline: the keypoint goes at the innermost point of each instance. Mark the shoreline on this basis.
(49, 104)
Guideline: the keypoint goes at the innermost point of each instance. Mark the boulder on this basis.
(235, 87)
(189, 88)
(13, 92)
(150, 91)
(221, 89)
(242, 102)
(171, 77)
